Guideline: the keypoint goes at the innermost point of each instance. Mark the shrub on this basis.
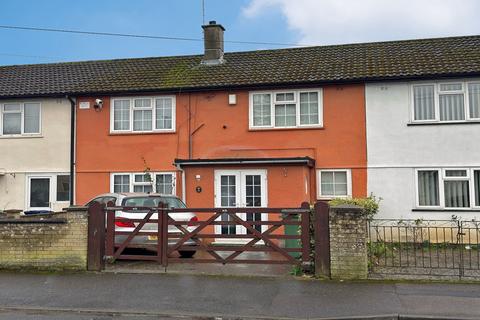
(369, 204)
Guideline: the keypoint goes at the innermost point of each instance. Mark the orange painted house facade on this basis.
(249, 129)
(217, 131)
(213, 144)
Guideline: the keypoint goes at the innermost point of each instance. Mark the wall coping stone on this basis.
(74, 209)
(41, 218)
(33, 221)
(344, 208)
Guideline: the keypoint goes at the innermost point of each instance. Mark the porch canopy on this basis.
(307, 161)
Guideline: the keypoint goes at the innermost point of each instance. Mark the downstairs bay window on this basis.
(286, 109)
(153, 182)
(457, 188)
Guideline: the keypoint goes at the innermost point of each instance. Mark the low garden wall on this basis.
(45, 242)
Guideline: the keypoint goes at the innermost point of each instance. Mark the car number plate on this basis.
(153, 238)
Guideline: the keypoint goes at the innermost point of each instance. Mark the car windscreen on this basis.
(147, 201)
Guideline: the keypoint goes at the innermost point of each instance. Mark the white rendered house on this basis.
(423, 142)
(34, 154)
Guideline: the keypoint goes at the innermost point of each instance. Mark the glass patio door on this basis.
(240, 189)
(39, 193)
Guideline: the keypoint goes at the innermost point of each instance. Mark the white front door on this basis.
(240, 189)
(39, 195)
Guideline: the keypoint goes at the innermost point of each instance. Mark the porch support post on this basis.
(305, 237)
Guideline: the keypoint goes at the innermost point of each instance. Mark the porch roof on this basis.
(243, 161)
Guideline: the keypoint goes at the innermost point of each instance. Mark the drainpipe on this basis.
(190, 142)
(72, 148)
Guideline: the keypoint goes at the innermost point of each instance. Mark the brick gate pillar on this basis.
(348, 242)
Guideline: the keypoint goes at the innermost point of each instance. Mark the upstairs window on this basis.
(446, 102)
(286, 109)
(20, 118)
(474, 100)
(142, 115)
(146, 114)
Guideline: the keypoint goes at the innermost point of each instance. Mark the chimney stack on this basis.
(213, 42)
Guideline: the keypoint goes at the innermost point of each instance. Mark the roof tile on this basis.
(353, 62)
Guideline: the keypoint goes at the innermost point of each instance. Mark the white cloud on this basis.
(347, 21)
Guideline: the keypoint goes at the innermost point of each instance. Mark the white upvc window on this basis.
(156, 182)
(142, 114)
(45, 189)
(446, 101)
(20, 118)
(286, 109)
(334, 183)
(142, 182)
(448, 188)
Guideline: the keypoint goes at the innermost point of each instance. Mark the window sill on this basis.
(133, 133)
(442, 123)
(325, 198)
(24, 136)
(446, 210)
(286, 128)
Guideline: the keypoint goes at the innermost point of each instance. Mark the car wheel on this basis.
(186, 254)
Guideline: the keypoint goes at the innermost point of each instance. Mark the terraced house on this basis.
(35, 143)
(272, 127)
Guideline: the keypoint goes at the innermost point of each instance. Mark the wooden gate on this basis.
(270, 238)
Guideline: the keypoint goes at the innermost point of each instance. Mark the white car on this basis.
(148, 200)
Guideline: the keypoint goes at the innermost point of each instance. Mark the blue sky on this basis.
(312, 22)
(182, 18)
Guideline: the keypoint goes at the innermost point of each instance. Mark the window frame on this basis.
(132, 108)
(22, 119)
(53, 199)
(472, 188)
(135, 108)
(132, 182)
(437, 92)
(173, 183)
(112, 181)
(467, 100)
(441, 194)
(441, 187)
(143, 183)
(328, 197)
(274, 102)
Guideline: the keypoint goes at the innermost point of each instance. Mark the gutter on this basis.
(73, 104)
(230, 162)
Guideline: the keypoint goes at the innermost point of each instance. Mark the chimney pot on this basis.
(213, 42)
